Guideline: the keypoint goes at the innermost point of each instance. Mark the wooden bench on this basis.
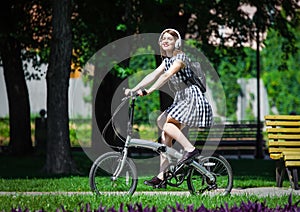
(230, 138)
(284, 146)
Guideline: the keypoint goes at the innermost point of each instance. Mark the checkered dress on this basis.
(190, 106)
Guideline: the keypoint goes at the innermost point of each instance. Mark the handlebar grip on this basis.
(144, 92)
(131, 95)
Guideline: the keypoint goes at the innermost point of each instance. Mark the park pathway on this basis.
(260, 191)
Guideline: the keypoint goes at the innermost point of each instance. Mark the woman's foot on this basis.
(156, 183)
(189, 156)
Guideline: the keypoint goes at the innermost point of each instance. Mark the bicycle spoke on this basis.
(102, 177)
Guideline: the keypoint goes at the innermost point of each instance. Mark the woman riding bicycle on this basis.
(189, 108)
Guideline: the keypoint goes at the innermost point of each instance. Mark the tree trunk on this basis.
(58, 159)
(18, 98)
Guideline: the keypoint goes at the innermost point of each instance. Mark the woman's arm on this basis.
(150, 78)
(176, 66)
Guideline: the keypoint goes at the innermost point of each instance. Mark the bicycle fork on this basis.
(122, 161)
(125, 150)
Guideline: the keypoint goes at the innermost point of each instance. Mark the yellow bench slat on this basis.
(282, 117)
(292, 153)
(282, 149)
(291, 157)
(283, 136)
(275, 156)
(292, 163)
(283, 130)
(283, 123)
(283, 143)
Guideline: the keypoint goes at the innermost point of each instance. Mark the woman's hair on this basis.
(177, 37)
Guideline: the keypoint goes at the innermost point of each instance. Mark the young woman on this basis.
(189, 108)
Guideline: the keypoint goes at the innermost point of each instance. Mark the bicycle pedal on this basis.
(212, 187)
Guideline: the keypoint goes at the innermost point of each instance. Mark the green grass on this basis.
(20, 174)
(24, 174)
(72, 183)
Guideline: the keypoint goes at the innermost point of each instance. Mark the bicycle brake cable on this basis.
(124, 100)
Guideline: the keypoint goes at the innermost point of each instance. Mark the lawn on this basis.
(24, 174)
(247, 173)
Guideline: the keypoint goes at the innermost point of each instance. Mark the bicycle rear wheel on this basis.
(101, 175)
(221, 170)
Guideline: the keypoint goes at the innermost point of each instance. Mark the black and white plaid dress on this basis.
(190, 106)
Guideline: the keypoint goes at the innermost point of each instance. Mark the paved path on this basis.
(261, 191)
(266, 191)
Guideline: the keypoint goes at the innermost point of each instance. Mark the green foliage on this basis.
(231, 63)
(143, 59)
(146, 105)
(281, 74)
(143, 62)
(232, 66)
(146, 108)
(279, 71)
(283, 90)
(73, 136)
(121, 27)
(80, 132)
(149, 132)
(122, 72)
(4, 131)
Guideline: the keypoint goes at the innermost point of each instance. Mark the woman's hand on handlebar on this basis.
(140, 92)
(128, 92)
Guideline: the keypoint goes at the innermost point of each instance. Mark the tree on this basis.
(281, 74)
(201, 20)
(58, 158)
(233, 26)
(98, 32)
(17, 92)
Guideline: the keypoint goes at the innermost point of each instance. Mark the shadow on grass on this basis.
(253, 168)
(32, 166)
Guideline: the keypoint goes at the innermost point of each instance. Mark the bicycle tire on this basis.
(221, 170)
(102, 170)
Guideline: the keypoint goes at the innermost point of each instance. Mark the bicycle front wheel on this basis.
(102, 179)
(219, 167)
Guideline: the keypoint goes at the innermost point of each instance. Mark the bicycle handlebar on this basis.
(131, 95)
(135, 94)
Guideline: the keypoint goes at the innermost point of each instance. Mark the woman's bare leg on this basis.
(173, 129)
(164, 162)
(165, 139)
(175, 132)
